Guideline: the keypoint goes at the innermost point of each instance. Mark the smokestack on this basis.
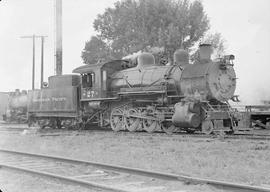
(58, 37)
(205, 52)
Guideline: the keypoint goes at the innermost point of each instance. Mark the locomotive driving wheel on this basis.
(150, 125)
(117, 120)
(132, 123)
(207, 127)
(42, 123)
(168, 127)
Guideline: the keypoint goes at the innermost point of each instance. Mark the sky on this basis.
(244, 24)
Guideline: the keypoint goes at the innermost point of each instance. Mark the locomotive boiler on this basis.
(149, 96)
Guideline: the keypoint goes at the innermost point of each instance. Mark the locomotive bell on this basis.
(146, 59)
(205, 52)
(181, 57)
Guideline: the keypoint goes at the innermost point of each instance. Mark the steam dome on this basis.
(146, 59)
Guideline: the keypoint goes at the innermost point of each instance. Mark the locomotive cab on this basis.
(95, 79)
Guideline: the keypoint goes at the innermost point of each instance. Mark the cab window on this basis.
(88, 80)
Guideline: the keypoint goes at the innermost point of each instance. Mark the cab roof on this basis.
(116, 65)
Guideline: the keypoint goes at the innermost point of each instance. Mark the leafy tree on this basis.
(95, 50)
(133, 25)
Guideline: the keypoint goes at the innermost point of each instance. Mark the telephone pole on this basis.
(42, 61)
(33, 37)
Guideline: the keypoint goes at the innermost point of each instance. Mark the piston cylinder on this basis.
(194, 107)
(184, 118)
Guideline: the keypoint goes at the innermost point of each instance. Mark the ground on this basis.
(13, 182)
(245, 161)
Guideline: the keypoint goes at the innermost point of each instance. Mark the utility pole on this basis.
(42, 61)
(33, 67)
(33, 37)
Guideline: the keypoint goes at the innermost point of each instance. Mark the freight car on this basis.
(255, 117)
(148, 97)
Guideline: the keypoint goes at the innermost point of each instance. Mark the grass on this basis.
(244, 161)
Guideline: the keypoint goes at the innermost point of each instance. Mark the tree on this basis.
(133, 25)
(94, 50)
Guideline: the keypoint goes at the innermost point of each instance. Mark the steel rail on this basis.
(187, 135)
(160, 175)
(200, 135)
(162, 135)
(251, 136)
(68, 179)
(226, 137)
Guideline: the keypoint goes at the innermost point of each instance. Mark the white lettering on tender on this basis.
(49, 99)
(59, 99)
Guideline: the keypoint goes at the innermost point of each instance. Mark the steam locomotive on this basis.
(149, 96)
(15, 107)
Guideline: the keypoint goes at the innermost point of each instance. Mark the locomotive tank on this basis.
(56, 105)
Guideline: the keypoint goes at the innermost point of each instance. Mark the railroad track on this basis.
(13, 129)
(58, 132)
(199, 135)
(108, 177)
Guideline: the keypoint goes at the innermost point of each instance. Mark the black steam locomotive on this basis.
(14, 106)
(149, 96)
